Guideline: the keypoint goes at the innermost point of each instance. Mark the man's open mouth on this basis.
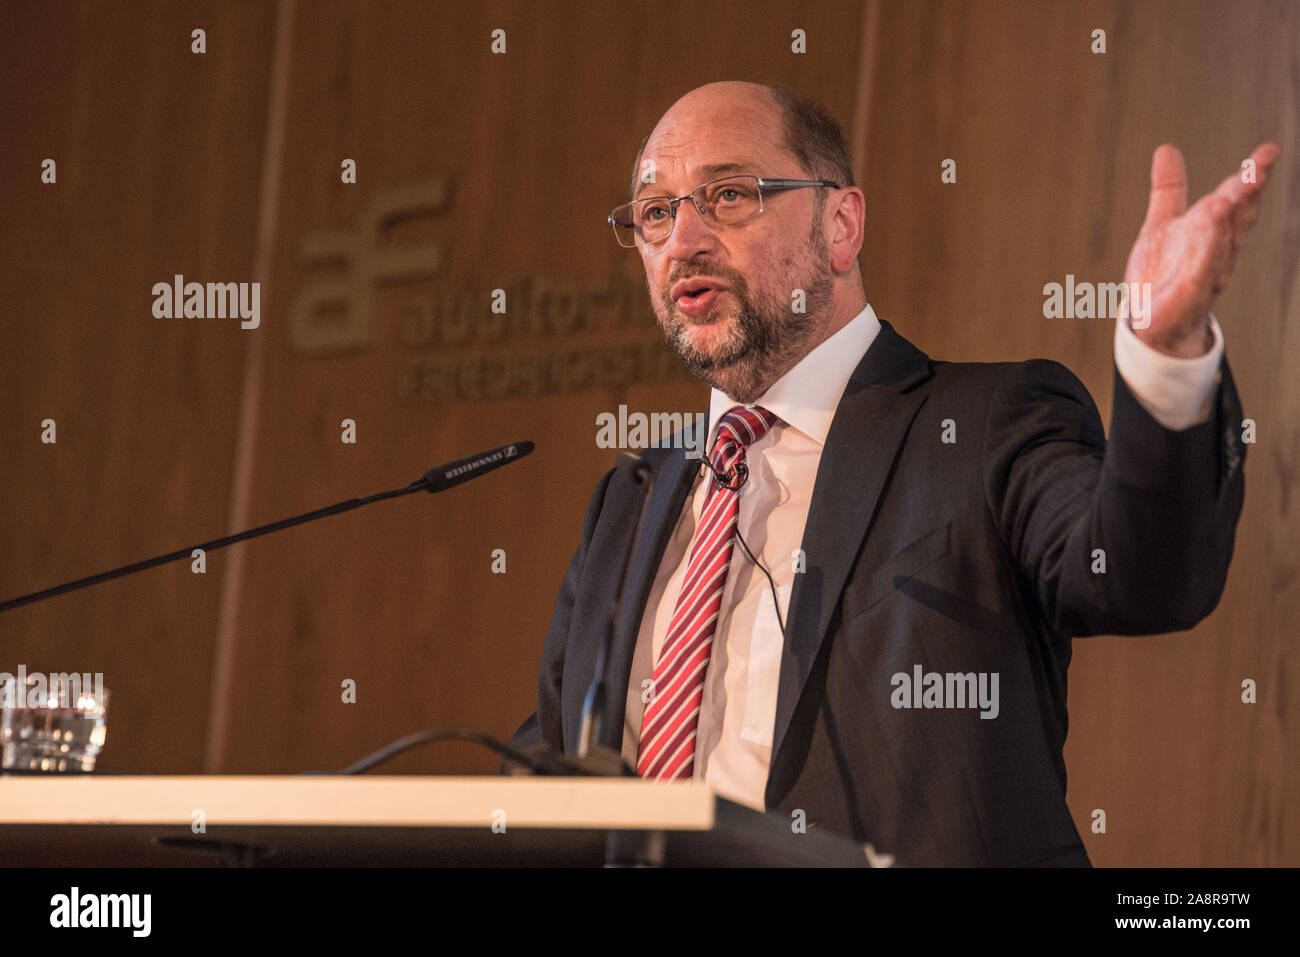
(695, 297)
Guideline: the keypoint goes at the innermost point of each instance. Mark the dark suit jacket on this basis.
(970, 556)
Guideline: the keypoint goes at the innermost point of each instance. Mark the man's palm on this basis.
(1187, 254)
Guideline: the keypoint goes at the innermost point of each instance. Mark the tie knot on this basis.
(742, 427)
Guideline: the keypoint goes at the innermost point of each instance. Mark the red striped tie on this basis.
(667, 748)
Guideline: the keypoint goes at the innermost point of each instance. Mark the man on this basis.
(935, 533)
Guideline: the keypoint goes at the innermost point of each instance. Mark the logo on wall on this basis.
(526, 336)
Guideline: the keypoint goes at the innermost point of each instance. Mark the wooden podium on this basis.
(330, 821)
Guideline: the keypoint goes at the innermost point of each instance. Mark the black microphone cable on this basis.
(739, 474)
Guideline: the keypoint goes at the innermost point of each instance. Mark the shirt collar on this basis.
(806, 397)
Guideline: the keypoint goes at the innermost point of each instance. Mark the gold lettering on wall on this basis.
(554, 336)
(367, 263)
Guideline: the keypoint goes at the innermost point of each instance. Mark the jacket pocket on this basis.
(898, 570)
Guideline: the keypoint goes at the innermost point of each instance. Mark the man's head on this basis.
(781, 282)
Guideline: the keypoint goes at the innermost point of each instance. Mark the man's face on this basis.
(744, 332)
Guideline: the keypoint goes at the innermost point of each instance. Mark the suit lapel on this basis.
(864, 439)
(866, 433)
(673, 478)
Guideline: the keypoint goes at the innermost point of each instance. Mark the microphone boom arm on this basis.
(435, 480)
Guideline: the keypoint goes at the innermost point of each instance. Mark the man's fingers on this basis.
(1220, 261)
(1202, 243)
(1266, 154)
(1250, 178)
(1233, 189)
(1212, 213)
(1243, 216)
(1168, 186)
(1245, 196)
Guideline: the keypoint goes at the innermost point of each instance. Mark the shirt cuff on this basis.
(1178, 393)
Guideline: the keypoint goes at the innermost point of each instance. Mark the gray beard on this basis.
(770, 340)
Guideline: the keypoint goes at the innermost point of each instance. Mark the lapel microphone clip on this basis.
(734, 478)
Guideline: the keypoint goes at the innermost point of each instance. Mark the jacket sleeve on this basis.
(1130, 536)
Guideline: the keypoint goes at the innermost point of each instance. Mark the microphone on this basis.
(595, 749)
(633, 466)
(462, 470)
(594, 754)
(734, 478)
(435, 480)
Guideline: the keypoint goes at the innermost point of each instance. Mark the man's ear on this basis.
(848, 208)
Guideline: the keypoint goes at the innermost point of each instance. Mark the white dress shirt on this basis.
(733, 745)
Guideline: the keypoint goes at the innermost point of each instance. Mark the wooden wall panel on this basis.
(1053, 147)
(157, 153)
(162, 156)
(533, 148)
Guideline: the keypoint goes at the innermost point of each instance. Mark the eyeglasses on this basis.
(729, 201)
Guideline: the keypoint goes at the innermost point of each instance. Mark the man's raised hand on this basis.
(1187, 254)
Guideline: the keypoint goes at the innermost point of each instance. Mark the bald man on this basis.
(856, 609)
